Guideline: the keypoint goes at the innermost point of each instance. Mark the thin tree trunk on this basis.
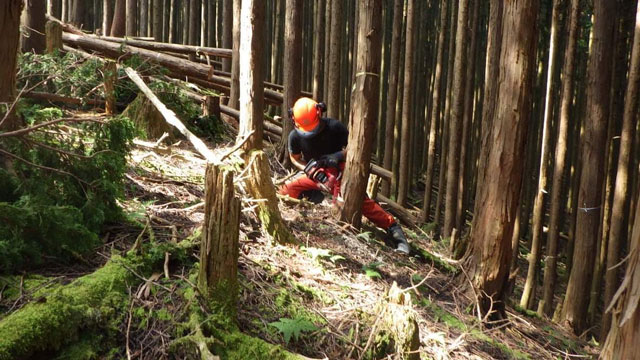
(132, 12)
(528, 292)
(497, 200)
(227, 31)
(620, 208)
(574, 309)
(364, 113)
(119, 24)
(457, 113)
(318, 47)
(211, 23)
(10, 11)
(194, 17)
(557, 199)
(392, 95)
(172, 21)
(77, 13)
(327, 48)
(435, 112)
(144, 18)
(157, 20)
(185, 28)
(405, 143)
(292, 70)
(337, 33)
(235, 65)
(36, 20)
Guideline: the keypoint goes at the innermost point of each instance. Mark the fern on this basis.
(295, 327)
(371, 270)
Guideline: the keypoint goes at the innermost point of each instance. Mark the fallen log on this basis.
(161, 46)
(398, 210)
(171, 117)
(62, 99)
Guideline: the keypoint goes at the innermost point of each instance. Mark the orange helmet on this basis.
(305, 114)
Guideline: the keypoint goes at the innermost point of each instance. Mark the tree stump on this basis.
(219, 248)
(110, 78)
(211, 106)
(53, 31)
(396, 332)
(147, 118)
(261, 188)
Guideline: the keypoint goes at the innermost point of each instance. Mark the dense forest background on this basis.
(503, 134)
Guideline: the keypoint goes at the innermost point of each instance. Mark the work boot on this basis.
(394, 232)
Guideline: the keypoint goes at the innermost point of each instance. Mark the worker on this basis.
(317, 146)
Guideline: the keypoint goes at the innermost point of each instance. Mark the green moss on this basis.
(96, 300)
(526, 312)
(438, 262)
(32, 284)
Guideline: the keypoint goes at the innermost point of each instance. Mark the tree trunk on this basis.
(574, 309)
(36, 20)
(620, 208)
(392, 96)
(497, 200)
(559, 168)
(157, 19)
(53, 31)
(405, 142)
(624, 336)
(528, 292)
(227, 31)
(194, 20)
(10, 28)
(457, 113)
(144, 18)
(119, 24)
(132, 13)
(78, 13)
(218, 278)
(211, 23)
(337, 33)
(235, 70)
(318, 49)
(364, 111)
(435, 112)
(107, 16)
(292, 71)
(173, 12)
(327, 48)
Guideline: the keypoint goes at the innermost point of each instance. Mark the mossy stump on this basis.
(218, 278)
(147, 118)
(261, 188)
(397, 334)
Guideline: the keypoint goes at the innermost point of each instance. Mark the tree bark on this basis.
(157, 19)
(292, 71)
(624, 336)
(10, 28)
(318, 50)
(620, 208)
(364, 112)
(78, 13)
(107, 16)
(457, 113)
(227, 31)
(119, 24)
(132, 13)
(144, 18)
(194, 20)
(35, 26)
(435, 112)
(497, 200)
(574, 309)
(218, 277)
(405, 140)
(559, 168)
(337, 33)
(528, 292)
(211, 23)
(392, 96)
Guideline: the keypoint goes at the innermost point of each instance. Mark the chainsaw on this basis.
(326, 179)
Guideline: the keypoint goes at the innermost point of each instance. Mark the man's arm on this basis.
(296, 160)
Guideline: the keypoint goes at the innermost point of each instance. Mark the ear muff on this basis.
(322, 107)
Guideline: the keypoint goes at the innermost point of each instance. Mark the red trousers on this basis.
(370, 209)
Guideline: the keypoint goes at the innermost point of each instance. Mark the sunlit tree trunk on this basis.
(557, 200)
(318, 50)
(364, 111)
(435, 112)
(337, 33)
(574, 309)
(497, 200)
(235, 65)
(392, 95)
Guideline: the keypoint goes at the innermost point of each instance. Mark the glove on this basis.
(311, 168)
(331, 160)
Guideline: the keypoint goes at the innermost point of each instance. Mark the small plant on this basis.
(293, 327)
(372, 270)
(316, 254)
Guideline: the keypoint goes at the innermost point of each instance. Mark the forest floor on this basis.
(318, 298)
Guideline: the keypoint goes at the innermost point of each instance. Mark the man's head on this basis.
(306, 114)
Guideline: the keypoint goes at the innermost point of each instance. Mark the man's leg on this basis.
(298, 187)
(374, 212)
